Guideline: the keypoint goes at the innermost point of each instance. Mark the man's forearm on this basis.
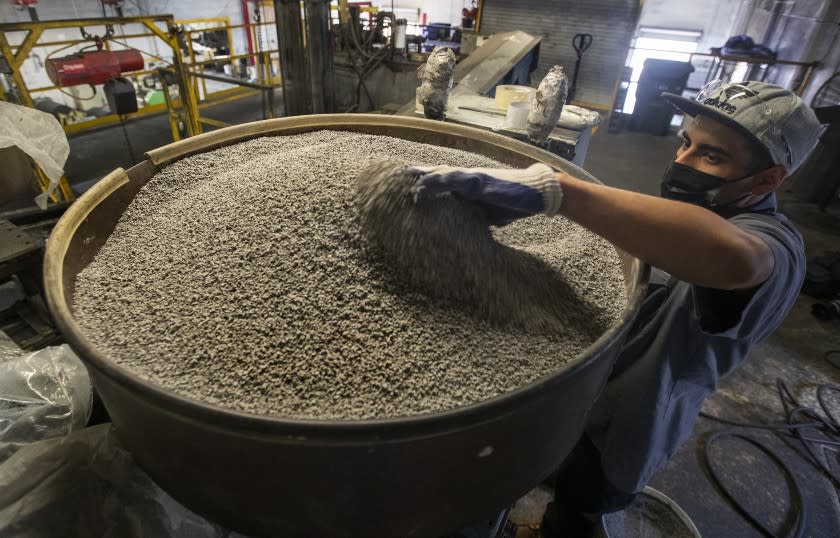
(689, 242)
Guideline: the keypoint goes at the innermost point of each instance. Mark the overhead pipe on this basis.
(320, 55)
(247, 19)
(297, 94)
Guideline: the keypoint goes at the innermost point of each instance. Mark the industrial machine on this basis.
(101, 66)
(92, 68)
(424, 475)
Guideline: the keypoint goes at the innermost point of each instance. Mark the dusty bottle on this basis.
(547, 104)
(433, 92)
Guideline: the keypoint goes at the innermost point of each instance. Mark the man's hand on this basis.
(689, 242)
(505, 194)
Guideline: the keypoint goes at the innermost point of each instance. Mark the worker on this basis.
(727, 267)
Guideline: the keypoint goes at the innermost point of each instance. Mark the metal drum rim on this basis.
(396, 428)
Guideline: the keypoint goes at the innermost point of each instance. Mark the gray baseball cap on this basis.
(774, 117)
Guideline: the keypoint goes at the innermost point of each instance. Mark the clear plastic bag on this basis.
(40, 136)
(43, 394)
(547, 105)
(438, 75)
(87, 484)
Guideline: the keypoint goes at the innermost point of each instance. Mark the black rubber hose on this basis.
(796, 496)
(826, 423)
(361, 81)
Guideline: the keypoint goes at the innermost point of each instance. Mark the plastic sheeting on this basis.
(58, 478)
(87, 484)
(43, 394)
(40, 136)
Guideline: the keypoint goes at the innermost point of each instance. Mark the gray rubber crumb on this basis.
(445, 248)
(238, 277)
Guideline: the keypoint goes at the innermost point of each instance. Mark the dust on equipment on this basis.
(507, 113)
(461, 464)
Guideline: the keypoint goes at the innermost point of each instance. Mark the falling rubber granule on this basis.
(241, 277)
(444, 246)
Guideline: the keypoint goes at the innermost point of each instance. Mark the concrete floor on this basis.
(795, 353)
(93, 154)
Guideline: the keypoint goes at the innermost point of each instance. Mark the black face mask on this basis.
(686, 184)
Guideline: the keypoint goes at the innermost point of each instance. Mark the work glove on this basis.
(505, 194)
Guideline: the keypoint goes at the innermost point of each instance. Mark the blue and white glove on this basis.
(505, 194)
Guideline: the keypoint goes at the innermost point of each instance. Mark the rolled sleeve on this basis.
(754, 314)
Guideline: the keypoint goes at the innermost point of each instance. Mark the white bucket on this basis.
(652, 514)
(511, 93)
(517, 115)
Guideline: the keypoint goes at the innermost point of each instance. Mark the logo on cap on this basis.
(721, 102)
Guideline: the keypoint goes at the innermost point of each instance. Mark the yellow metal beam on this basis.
(171, 111)
(164, 36)
(66, 191)
(15, 61)
(110, 119)
(188, 102)
(217, 98)
(230, 95)
(188, 98)
(26, 47)
(203, 20)
(214, 123)
(75, 23)
(72, 41)
(63, 193)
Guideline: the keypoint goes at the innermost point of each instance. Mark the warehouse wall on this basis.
(713, 18)
(716, 20)
(611, 22)
(801, 30)
(34, 72)
(437, 10)
(180, 9)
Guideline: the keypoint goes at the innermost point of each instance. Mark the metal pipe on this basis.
(247, 27)
(292, 57)
(230, 58)
(229, 80)
(320, 53)
(213, 123)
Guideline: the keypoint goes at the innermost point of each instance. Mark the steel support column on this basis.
(292, 58)
(320, 54)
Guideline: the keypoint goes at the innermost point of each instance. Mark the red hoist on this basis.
(94, 67)
(99, 67)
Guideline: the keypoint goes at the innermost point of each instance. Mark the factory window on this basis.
(661, 44)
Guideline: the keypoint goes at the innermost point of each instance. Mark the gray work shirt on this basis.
(685, 339)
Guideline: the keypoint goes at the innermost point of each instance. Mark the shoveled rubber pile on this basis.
(445, 247)
(241, 277)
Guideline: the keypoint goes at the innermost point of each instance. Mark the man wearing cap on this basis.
(727, 268)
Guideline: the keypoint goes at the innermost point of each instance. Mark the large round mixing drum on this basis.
(416, 476)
